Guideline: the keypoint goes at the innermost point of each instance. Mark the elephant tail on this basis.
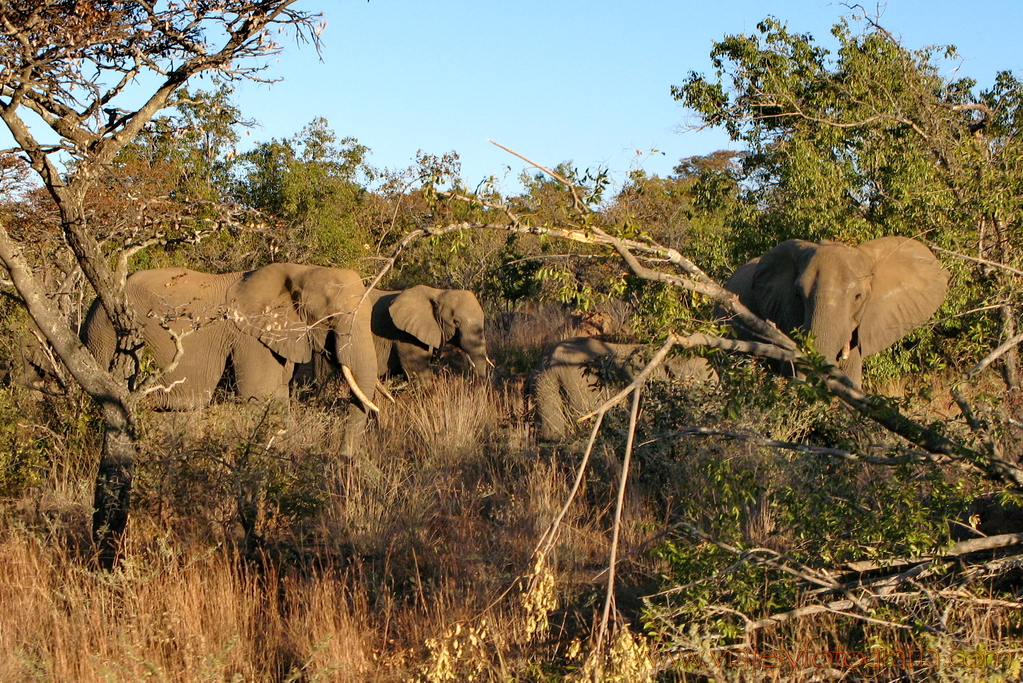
(98, 335)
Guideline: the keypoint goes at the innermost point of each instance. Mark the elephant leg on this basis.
(581, 394)
(415, 361)
(258, 372)
(550, 406)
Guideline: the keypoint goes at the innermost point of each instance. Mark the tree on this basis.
(872, 140)
(71, 72)
(312, 183)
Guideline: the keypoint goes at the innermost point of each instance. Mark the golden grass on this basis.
(173, 614)
(411, 561)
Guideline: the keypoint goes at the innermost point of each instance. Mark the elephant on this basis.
(409, 325)
(856, 300)
(577, 375)
(265, 320)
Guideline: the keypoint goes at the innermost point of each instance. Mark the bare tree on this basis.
(79, 79)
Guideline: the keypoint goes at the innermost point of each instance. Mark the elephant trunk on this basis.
(481, 363)
(476, 351)
(356, 355)
(836, 338)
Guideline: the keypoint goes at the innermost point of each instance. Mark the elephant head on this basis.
(294, 311)
(856, 300)
(435, 317)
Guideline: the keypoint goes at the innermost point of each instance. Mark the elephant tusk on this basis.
(491, 363)
(845, 351)
(350, 378)
(383, 390)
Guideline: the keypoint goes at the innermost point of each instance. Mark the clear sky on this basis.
(557, 80)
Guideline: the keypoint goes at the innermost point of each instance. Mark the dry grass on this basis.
(359, 573)
(174, 614)
(256, 554)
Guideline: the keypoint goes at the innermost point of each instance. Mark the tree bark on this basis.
(1010, 361)
(113, 482)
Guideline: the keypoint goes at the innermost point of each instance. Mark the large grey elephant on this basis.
(266, 320)
(856, 300)
(578, 374)
(409, 325)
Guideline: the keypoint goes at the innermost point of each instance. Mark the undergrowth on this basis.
(256, 553)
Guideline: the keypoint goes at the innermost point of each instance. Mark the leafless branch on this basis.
(994, 355)
(616, 529)
(993, 264)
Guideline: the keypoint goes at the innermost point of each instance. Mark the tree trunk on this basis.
(1010, 361)
(113, 482)
(113, 491)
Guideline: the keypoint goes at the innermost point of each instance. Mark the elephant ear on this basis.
(908, 286)
(740, 283)
(413, 311)
(265, 303)
(774, 291)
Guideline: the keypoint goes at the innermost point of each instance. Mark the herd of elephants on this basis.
(856, 300)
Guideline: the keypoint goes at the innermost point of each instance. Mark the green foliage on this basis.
(314, 183)
(868, 141)
(198, 142)
(807, 509)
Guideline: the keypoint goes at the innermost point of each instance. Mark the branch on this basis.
(910, 457)
(993, 264)
(873, 407)
(616, 532)
(98, 383)
(994, 355)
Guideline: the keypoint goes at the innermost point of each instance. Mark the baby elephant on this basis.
(580, 373)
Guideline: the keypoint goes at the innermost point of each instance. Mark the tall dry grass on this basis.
(256, 554)
(170, 613)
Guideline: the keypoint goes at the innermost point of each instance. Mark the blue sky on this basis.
(587, 81)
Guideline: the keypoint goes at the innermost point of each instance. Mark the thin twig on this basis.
(993, 264)
(619, 504)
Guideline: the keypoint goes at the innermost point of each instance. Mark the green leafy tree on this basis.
(314, 184)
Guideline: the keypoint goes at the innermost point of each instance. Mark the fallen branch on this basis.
(910, 457)
(888, 584)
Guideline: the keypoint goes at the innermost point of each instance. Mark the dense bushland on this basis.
(761, 515)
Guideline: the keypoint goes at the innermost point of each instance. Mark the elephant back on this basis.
(610, 361)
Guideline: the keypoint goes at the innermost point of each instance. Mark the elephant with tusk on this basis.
(265, 320)
(856, 300)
